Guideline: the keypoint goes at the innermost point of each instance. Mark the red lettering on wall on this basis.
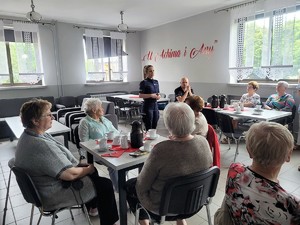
(205, 50)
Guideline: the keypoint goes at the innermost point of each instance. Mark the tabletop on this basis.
(136, 98)
(252, 113)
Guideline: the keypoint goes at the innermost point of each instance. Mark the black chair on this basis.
(31, 195)
(290, 120)
(226, 127)
(211, 116)
(77, 141)
(187, 194)
(117, 109)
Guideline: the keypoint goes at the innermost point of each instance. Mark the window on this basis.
(266, 46)
(20, 58)
(105, 58)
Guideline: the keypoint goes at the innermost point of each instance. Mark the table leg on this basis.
(90, 158)
(122, 197)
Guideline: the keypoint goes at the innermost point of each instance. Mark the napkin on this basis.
(118, 148)
(115, 154)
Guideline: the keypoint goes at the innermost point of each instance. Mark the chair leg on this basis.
(208, 214)
(31, 215)
(137, 215)
(86, 214)
(39, 218)
(72, 217)
(237, 149)
(6, 199)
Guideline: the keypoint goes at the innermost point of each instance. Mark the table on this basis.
(266, 115)
(57, 128)
(136, 98)
(122, 164)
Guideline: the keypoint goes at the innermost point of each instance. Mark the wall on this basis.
(64, 68)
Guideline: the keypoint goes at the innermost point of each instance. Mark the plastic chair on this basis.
(31, 195)
(226, 126)
(187, 194)
(214, 145)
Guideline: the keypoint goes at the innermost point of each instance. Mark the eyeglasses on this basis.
(48, 114)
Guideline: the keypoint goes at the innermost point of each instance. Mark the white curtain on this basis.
(4, 73)
(94, 44)
(27, 46)
(276, 48)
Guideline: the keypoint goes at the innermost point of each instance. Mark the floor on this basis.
(19, 211)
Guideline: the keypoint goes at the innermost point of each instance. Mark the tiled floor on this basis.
(19, 211)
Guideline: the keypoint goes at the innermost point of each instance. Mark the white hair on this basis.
(283, 83)
(91, 104)
(179, 119)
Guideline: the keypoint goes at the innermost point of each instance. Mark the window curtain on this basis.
(117, 40)
(28, 52)
(4, 73)
(94, 44)
(275, 49)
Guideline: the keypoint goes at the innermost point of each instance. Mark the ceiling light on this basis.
(33, 16)
(122, 27)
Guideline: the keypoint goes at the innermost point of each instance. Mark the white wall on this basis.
(208, 74)
(64, 67)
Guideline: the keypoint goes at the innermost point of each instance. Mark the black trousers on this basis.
(151, 115)
(105, 200)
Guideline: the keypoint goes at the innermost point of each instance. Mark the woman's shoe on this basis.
(93, 212)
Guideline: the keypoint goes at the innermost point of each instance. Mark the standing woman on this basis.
(149, 91)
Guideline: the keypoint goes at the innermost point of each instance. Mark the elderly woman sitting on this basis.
(53, 168)
(95, 126)
(253, 193)
(280, 101)
(196, 103)
(184, 154)
(251, 99)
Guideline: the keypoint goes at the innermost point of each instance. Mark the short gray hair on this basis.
(283, 83)
(91, 104)
(179, 119)
(269, 143)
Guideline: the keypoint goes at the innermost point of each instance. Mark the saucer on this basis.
(236, 112)
(258, 110)
(152, 138)
(104, 149)
(142, 149)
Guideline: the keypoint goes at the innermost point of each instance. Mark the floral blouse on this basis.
(253, 199)
(254, 99)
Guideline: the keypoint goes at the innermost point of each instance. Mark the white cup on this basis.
(152, 133)
(124, 142)
(226, 106)
(117, 140)
(147, 145)
(238, 109)
(242, 106)
(103, 143)
(110, 135)
(258, 107)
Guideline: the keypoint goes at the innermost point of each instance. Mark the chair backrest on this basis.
(187, 194)
(67, 101)
(225, 123)
(214, 145)
(210, 116)
(76, 136)
(26, 185)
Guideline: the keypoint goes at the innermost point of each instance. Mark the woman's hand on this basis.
(268, 107)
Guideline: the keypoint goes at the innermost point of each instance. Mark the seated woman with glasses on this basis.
(184, 154)
(51, 165)
(251, 99)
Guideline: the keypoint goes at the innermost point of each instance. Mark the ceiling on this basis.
(138, 14)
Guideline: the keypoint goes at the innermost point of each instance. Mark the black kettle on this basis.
(222, 101)
(214, 101)
(136, 135)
